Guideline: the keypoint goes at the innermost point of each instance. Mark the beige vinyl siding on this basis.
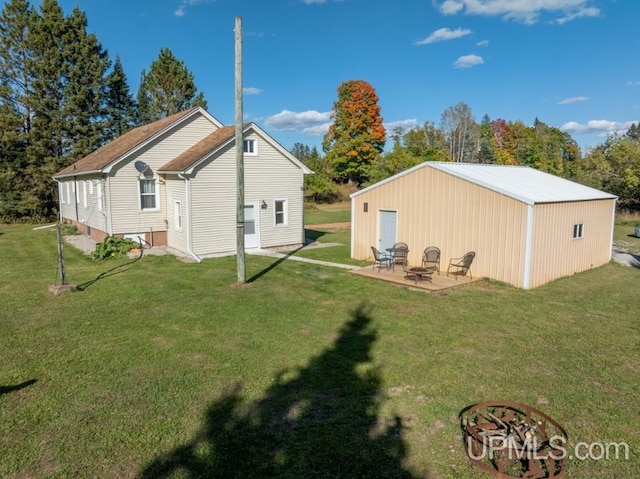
(213, 205)
(123, 181)
(176, 190)
(91, 214)
(270, 176)
(555, 253)
(67, 200)
(438, 209)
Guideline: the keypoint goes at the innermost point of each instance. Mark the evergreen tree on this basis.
(120, 111)
(15, 116)
(84, 92)
(357, 136)
(167, 88)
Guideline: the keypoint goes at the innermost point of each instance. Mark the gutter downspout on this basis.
(59, 200)
(526, 280)
(613, 226)
(353, 228)
(188, 216)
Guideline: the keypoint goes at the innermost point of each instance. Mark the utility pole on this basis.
(239, 156)
(63, 275)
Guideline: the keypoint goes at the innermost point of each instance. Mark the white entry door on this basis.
(251, 225)
(388, 224)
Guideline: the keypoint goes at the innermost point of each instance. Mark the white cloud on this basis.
(444, 34)
(585, 12)
(404, 125)
(252, 91)
(310, 122)
(575, 99)
(599, 127)
(483, 43)
(181, 11)
(526, 11)
(468, 61)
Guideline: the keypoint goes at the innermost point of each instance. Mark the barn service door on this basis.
(387, 224)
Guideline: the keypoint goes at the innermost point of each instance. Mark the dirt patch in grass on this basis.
(330, 226)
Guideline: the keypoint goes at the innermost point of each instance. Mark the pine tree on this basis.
(357, 136)
(86, 64)
(15, 116)
(167, 88)
(120, 105)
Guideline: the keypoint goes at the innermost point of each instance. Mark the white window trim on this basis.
(68, 188)
(285, 201)
(99, 192)
(76, 191)
(90, 187)
(578, 231)
(84, 194)
(177, 215)
(248, 141)
(148, 210)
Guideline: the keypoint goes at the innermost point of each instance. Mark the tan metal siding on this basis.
(555, 253)
(123, 192)
(438, 209)
(175, 188)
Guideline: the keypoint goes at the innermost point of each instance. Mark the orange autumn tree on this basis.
(357, 136)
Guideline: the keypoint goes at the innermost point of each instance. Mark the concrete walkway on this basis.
(274, 254)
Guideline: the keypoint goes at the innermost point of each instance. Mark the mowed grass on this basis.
(167, 369)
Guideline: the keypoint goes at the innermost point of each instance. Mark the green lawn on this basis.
(315, 217)
(166, 369)
(624, 238)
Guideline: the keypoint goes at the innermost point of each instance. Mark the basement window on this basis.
(577, 231)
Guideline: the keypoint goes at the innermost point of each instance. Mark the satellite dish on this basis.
(141, 166)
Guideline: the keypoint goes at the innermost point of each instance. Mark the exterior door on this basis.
(251, 225)
(387, 224)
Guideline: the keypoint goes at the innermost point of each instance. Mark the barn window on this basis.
(577, 231)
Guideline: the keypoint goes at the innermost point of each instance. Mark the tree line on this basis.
(62, 97)
(354, 148)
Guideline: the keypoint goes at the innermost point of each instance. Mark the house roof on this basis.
(123, 145)
(521, 183)
(191, 158)
(199, 150)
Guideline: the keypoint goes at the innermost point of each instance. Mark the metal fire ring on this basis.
(508, 439)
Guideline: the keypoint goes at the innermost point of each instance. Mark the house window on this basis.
(577, 231)
(148, 195)
(280, 212)
(68, 193)
(90, 187)
(250, 147)
(84, 193)
(99, 192)
(177, 212)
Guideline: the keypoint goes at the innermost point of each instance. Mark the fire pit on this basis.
(509, 440)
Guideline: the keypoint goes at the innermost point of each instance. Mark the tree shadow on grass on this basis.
(318, 421)
(17, 387)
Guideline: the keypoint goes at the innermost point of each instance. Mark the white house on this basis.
(173, 182)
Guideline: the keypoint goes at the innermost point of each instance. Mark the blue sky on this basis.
(571, 63)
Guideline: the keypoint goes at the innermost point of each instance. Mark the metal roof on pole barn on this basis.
(521, 183)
